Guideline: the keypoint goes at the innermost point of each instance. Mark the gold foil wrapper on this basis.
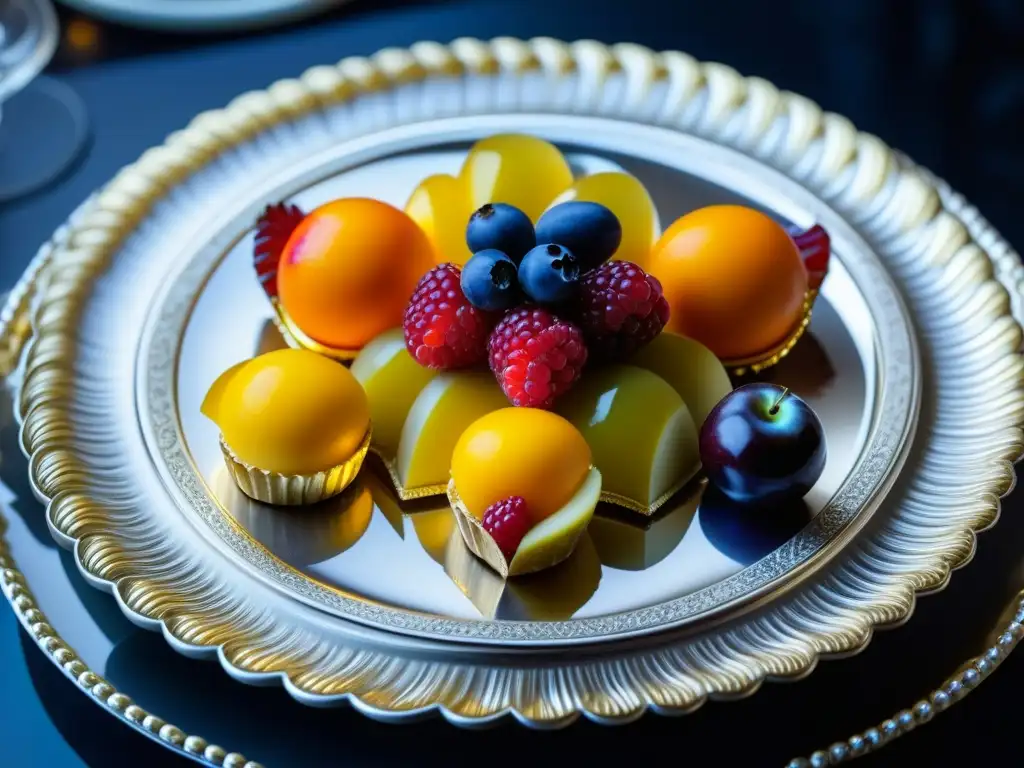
(295, 337)
(390, 465)
(483, 546)
(294, 490)
(764, 360)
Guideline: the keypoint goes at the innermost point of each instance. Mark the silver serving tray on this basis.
(151, 298)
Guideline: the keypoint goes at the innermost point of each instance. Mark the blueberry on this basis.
(589, 230)
(502, 227)
(489, 281)
(549, 274)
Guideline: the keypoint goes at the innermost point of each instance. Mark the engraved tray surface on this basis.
(154, 302)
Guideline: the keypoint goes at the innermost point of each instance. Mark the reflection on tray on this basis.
(551, 595)
(384, 499)
(806, 370)
(746, 534)
(630, 543)
(315, 534)
(433, 529)
(269, 339)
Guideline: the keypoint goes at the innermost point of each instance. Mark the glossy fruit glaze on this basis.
(289, 411)
(733, 277)
(521, 170)
(523, 452)
(626, 197)
(532, 175)
(348, 270)
(639, 430)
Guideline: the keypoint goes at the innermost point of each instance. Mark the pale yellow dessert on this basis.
(691, 368)
(640, 432)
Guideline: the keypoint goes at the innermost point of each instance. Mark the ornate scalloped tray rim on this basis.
(912, 205)
(14, 330)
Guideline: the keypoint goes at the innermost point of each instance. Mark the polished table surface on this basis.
(942, 80)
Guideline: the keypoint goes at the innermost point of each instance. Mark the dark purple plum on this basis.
(490, 281)
(762, 444)
(550, 274)
(501, 227)
(590, 230)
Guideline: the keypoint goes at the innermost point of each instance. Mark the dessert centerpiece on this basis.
(529, 344)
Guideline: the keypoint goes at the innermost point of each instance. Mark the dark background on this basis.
(942, 80)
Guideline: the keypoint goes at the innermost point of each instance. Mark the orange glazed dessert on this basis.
(345, 271)
(734, 279)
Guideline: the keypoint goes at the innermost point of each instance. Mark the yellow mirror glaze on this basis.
(442, 410)
(440, 205)
(517, 169)
(533, 175)
(392, 380)
(215, 395)
(520, 452)
(639, 429)
(691, 368)
(626, 197)
(290, 411)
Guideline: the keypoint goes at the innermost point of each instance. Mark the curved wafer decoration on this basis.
(894, 205)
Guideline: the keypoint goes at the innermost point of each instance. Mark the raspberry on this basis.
(536, 356)
(621, 308)
(815, 249)
(273, 228)
(507, 522)
(442, 329)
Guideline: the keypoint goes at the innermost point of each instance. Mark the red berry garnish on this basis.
(273, 228)
(442, 329)
(621, 308)
(536, 356)
(507, 522)
(815, 249)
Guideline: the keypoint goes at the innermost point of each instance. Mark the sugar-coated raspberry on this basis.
(621, 308)
(273, 228)
(507, 522)
(536, 356)
(442, 329)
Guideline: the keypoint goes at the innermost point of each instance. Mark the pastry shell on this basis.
(294, 490)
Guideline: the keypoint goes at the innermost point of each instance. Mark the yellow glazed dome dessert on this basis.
(295, 426)
(533, 175)
(523, 489)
